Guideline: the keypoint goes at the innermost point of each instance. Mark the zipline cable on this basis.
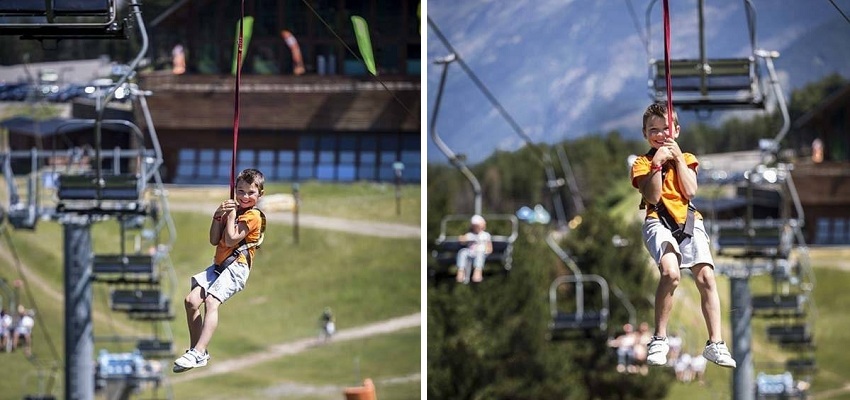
(667, 68)
(839, 10)
(236, 104)
(641, 34)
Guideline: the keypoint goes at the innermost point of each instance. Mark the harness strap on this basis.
(680, 231)
(244, 246)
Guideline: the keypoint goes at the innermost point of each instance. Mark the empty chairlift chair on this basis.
(155, 348)
(61, 19)
(447, 247)
(713, 84)
(707, 84)
(580, 321)
(791, 335)
(117, 268)
(142, 304)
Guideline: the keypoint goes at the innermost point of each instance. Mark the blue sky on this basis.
(566, 68)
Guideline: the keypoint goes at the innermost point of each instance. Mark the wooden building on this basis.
(823, 181)
(292, 128)
(333, 122)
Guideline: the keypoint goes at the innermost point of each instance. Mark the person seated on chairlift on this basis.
(478, 245)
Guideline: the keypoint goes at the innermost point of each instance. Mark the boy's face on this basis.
(476, 228)
(247, 194)
(656, 132)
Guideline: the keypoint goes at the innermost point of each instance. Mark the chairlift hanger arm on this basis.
(453, 158)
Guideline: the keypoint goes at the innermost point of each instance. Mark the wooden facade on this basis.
(296, 128)
(824, 186)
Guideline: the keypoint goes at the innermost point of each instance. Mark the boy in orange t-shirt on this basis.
(674, 232)
(236, 230)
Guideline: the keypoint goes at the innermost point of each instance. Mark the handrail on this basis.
(553, 292)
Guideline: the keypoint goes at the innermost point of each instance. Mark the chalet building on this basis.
(334, 122)
(323, 118)
(823, 180)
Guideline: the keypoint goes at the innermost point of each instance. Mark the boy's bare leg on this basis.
(666, 286)
(210, 323)
(193, 303)
(704, 276)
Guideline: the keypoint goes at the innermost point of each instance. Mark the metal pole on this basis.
(703, 59)
(296, 194)
(397, 192)
(741, 316)
(79, 341)
(457, 161)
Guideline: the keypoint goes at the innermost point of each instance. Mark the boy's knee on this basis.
(210, 302)
(670, 275)
(192, 301)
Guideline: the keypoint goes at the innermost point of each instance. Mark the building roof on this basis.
(27, 126)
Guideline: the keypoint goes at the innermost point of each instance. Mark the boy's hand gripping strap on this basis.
(244, 246)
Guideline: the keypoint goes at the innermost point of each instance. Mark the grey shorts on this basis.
(224, 286)
(693, 251)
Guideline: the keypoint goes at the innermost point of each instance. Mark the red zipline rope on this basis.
(236, 107)
(667, 67)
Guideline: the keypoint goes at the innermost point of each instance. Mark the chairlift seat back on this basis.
(778, 305)
(60, 7)
(117, 268)
(771, 238)
(137, 300)
(155, 347)
(121, 187)
(722, 83)
(790, 335)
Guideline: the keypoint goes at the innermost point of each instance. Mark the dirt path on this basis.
(286, 349)
(369, 228)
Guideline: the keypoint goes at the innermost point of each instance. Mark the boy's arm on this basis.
(215, 231)
(217, 224)
(235, 229)
(687, 178)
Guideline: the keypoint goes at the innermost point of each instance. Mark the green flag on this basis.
(246, 38)
(361, 31)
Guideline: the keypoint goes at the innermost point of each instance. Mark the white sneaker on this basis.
(657, 351)
(191, 359)
(718, 353)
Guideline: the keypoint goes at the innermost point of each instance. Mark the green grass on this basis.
(360, 200)
(830, 334)
(364, 279)
(339, 364)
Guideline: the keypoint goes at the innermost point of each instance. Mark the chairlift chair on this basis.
(155, 348)
(61, 19)
(586, 322)
(127, 268)
(791, 335)
(447, 247)
(707, 84)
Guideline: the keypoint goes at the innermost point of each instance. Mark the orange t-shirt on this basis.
(254, 221)
(671, 194)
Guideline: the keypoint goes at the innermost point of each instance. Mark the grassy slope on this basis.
(830, 333)
(336, 364)
(364, 279)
